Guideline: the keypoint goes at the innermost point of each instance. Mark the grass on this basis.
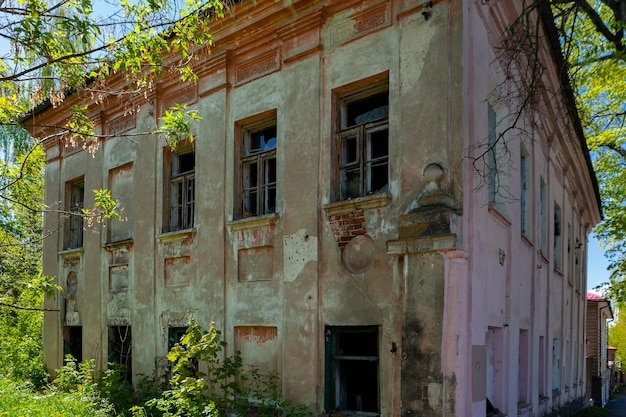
(591, 412)
(19, 401)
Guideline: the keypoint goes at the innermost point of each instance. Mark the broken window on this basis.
(73, 342)
(120, 348)
(352, 370)
(258, 169)
(182, 189)
(75, 196)
(363, 142)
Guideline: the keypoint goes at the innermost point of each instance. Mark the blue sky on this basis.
(597, 265)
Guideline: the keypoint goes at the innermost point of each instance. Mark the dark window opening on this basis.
(73, 342)
(174, 336)
(367, 109)
(120, 348)
(352, 370)
(363, 145)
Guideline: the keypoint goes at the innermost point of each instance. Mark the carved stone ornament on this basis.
(359, 254)
(432, 195)
(72, 318)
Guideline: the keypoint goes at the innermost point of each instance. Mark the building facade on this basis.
(353, 214)
(597, 349)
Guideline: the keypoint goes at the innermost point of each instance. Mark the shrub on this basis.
(226, 388)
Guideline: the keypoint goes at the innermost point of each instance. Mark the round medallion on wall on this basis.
(359, 254)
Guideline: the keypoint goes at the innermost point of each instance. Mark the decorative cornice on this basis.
(361, 203)
(305, 23)
(256, 222)
(262, 65)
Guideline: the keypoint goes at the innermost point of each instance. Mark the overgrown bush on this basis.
(79, 378)
(224, 388)
(112, 385)
(19, 400)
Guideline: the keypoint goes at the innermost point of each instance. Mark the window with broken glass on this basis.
(352, 370)
(182, 189)
(74, 226)
(363, 143)
(258, 169)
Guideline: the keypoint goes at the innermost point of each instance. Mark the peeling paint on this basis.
(299, 249)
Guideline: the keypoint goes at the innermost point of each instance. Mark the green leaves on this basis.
(226, 388)
(176, 124)
(593, 44)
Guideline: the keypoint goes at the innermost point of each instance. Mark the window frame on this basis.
(331, 368)
(364, 161)
(525, 194)
(265, 186)
(184, 181)
(557, 242)
(498, 164)
(74, 226)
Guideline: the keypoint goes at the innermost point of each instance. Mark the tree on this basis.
(54, 49)
(592, 34)
(592, 61)
(58, 48)
(21, 283)
(617, 338)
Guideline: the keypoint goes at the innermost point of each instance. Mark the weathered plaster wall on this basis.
(442, 276)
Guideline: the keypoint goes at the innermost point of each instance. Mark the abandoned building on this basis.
(354, 213)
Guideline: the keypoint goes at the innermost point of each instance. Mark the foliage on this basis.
(206, 383)
(592, 36)
(617, 338)
(96, 51)
(592, 412)
(79, 378)
(112, 384)
(19, 400)
(21, 282)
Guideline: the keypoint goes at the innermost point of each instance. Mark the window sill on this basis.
(499, 215)
(110, 246)
(526, 240)
(360, 203)
(264, 220)
(72, 251)
(176, 235)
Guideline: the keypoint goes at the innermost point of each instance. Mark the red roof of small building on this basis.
(592, 296)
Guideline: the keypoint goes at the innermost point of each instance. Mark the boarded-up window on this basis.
(256, 264)
(178, 271)
(258, 346)
(121, 186)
